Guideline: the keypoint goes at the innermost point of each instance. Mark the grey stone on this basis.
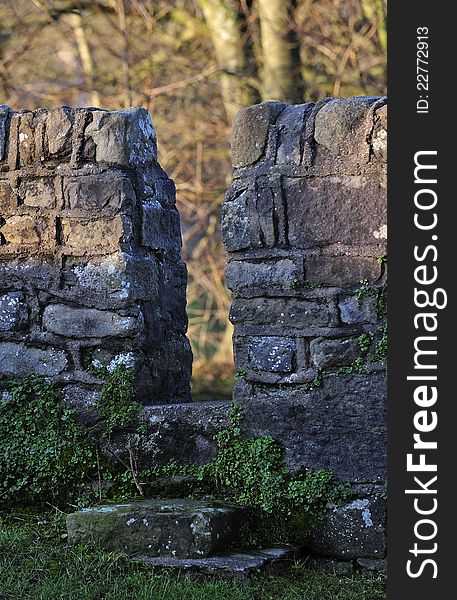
(124, 137)
(87, 322)
(235, 223)
(83, 402)
(13, 311)
(268, 276)
(4, 114)
(103, 194)
(291, 124)
(39, 193)
(341, 271)
(373, 565)
(235, 565)
(347, 210)
(119, 276)
(339, 426)
(338, 121)
(250, 131)
(287, 312)
(355, 530)
(59, 124)
(379, 136)
(19, 360)
(353, 310)
(327, 353)
(273, 354)
(160, 227)
(158, 528)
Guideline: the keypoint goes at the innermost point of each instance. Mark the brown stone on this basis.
(21, 230)
(5, 195)
(59, 123)
(38, 192)
(94, 236)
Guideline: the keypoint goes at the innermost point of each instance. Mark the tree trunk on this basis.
(281, 61)
(85, 56)
(222, 21)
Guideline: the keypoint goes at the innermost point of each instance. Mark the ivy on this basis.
(380, 351)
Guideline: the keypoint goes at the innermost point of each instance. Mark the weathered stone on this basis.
(23, 230)
(236, 565)
(124, 137)
(250, 131)
(39, 193)
(291, 124)
(173, 528)
(355, 310)
(154, 184)
(104, 194)
(355, 530)
(330, 427)
(99, 236)
(19, 360)
(287, 312)
(26, 137)
(379, 137)
(86, 322)
(13, 311)
(268, 276)
(59, 123)
(341, 271)
(330, 210)
(236, 230)
(6, 195)
(337, 123)
(160, 227)
(327, 353)
(119, 276)
(273, 354)
(373, 565)
(4, 114)
(83, 402)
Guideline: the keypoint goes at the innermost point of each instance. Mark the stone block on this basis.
(354, 310)
(13, 311)
(25, 231)
(250, 132)
(118, 276)
(291, 125)
(174, 528)
(379, 136)
(88, 323)
(103, 194)
(341, 271)
(272, 354)
(339, 124)
(4, 115)
(19, 360)
(59, 125)
(287, 312)
(160, 227)
(355, 530)
(235, 223)
(6, 196)
(339, 426)
(99, 236)
(38, 192)
(327, 353)
(268, 276)
(123, 137)
(347, 210)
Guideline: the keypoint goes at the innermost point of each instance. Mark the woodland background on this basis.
(193, 64)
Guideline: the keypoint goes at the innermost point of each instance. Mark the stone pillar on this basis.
(90, 266)
(304, 224)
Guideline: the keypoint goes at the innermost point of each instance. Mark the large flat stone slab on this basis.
(158, 528)
(237, 565)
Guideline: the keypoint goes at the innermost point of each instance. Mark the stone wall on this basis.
(304, 224)
(90, 264)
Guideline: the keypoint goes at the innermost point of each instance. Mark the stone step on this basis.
(234, 565)
(159, 528)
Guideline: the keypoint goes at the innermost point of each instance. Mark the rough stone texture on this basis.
(90, 254)
(355, 530)
(235, 565)
(158, 528)
(304, 224)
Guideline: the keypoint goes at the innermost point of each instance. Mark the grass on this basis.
(35, 563)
